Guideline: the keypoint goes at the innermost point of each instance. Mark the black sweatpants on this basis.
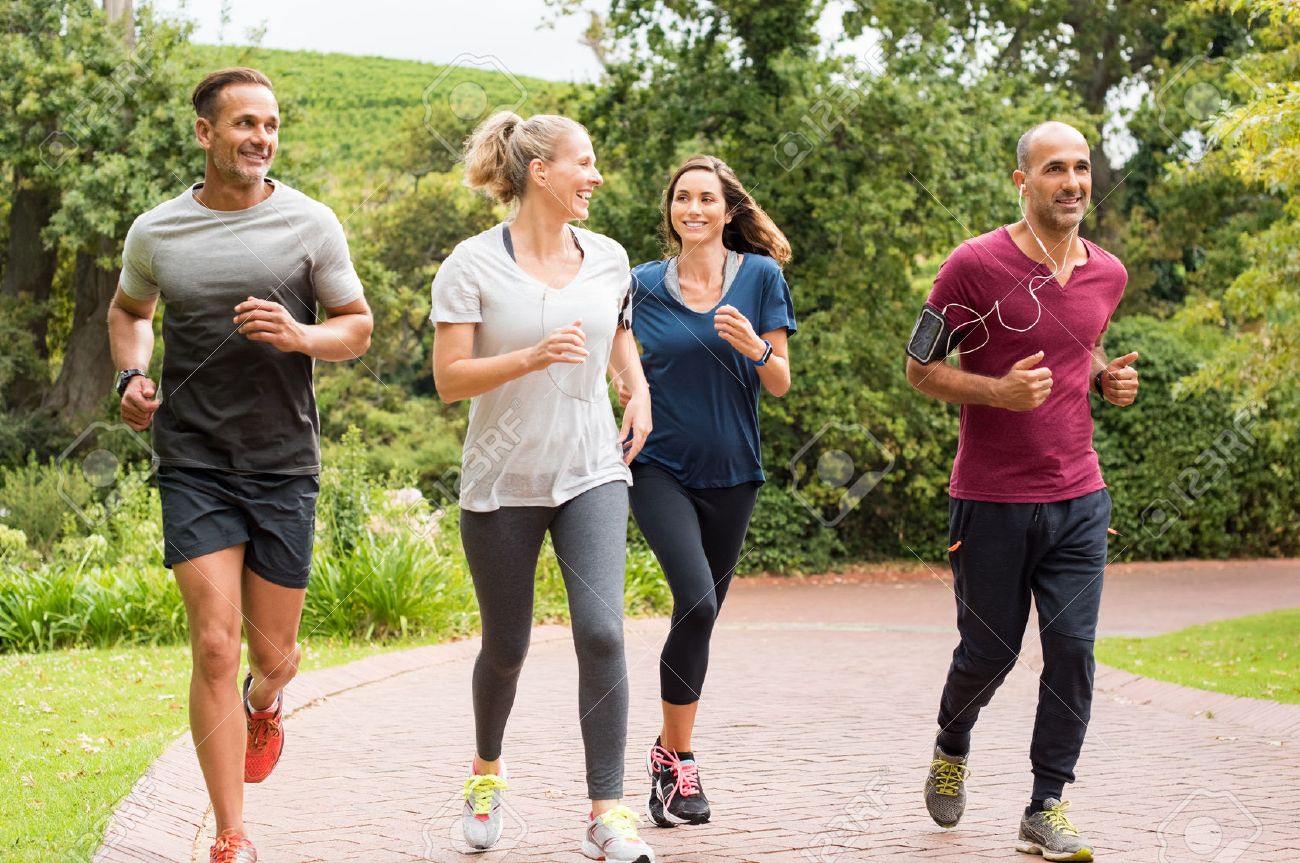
(697, 534)
(1009, 552)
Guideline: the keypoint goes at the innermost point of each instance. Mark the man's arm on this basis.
(1023, 388)
(130, 340)
(343, 335)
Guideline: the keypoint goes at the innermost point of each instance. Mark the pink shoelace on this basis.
(686, 774)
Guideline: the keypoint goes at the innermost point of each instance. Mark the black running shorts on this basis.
(272, 515)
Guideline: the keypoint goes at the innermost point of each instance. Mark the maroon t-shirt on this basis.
(1045, 454)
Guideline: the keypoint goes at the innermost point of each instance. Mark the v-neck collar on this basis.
(1043, 264)
(510, 252)
(730, 273)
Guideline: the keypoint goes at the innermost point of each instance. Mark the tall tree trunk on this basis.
(31, 266)
(87, 373)
(1100, 75)
(118, 9)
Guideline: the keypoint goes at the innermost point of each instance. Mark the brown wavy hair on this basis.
(750, 229)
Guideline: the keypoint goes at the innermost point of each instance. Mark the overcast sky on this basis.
(442, 31)
(436, 32)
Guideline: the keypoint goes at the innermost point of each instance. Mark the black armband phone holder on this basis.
(931, 337)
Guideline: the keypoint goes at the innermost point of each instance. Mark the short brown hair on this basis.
(750, 229)
(209, 89)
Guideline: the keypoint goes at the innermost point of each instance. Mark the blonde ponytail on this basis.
(497, 155)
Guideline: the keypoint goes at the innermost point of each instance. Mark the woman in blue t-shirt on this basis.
(712, 321)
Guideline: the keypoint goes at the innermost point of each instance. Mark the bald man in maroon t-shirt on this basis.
(1025, 306)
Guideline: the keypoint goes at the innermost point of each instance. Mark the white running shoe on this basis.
(481, 819)
(612, 837)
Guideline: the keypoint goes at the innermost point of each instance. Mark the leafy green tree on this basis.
(866, 173)
(97, 134)
(1091, 52)
(1261, 140)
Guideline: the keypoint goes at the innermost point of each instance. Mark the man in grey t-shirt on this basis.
(242, 263)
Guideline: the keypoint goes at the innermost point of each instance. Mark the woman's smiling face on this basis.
(698, 210)
(571, 176)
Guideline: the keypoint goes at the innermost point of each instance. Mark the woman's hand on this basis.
(737, 331)
(636, 422)
(561, 345)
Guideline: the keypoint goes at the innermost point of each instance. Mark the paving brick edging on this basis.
(1257, 716)
(162, 818)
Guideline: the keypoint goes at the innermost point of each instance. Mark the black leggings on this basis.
(697, 534)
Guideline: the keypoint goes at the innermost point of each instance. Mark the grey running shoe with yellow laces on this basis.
(1050, 834)
(945, 788)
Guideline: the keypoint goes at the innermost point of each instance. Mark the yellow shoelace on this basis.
(1056, 818)
(479, 790)
(622, 821)
(948, 777)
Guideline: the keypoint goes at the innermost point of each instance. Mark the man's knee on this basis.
(216, 654)
(276, 663)
(989, 666)
(1065, 649)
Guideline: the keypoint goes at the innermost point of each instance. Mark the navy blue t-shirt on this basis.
(704, 394)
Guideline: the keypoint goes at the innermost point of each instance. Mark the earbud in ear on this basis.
(1022, 188)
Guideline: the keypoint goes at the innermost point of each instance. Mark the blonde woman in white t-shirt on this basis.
(530, 315)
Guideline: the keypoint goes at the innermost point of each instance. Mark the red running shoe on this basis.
(265, 739)
(230, 847)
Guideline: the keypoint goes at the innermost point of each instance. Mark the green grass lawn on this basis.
(1256, 656)
(82, 726)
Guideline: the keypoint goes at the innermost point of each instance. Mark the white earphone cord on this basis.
(997, 306)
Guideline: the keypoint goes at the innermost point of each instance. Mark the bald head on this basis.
(1046, 137)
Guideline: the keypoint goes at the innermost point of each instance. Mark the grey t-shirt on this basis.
(229, 403)
(546, 437)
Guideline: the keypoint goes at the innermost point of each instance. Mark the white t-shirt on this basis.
(546, 437)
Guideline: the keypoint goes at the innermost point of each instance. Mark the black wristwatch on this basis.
(126, 376)
(1096, 383)
(767, 354)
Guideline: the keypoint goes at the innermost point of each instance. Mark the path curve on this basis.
(813, 741)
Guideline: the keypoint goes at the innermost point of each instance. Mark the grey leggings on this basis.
(590, 537)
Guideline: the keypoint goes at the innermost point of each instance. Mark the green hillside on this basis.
(348, 120)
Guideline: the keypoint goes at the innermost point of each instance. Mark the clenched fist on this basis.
(1024, 387)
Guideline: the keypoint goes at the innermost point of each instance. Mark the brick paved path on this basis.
(814, 738)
